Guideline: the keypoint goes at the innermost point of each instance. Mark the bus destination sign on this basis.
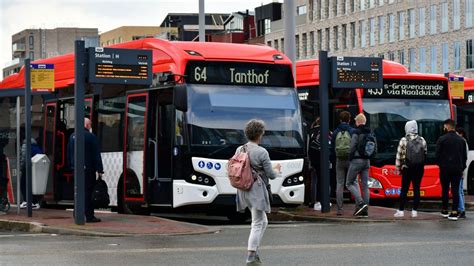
(120, 66)
(408, 88)
(356, 72)
(239, 73)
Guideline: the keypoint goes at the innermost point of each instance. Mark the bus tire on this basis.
(238, 217)
(125, 208)
(470, 179)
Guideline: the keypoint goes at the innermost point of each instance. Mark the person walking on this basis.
(93, 165)
(340, 148)
(451, 155)
(35, 149)
(410, 162)
(363, 147)
(257, 199)
(461, 208)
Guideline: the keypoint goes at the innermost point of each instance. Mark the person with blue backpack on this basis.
(340, 149)
(410, 162)
(363, 148)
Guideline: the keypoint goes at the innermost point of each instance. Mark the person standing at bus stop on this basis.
(461, 208)
(340, 148)
(410, 162)
(93, 165)
(451, 156)
(257, 200)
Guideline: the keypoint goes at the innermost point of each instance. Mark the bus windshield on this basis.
(217, 115)
(387, 118)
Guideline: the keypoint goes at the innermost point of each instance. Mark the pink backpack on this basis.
(240, 171)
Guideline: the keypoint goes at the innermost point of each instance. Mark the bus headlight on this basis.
(293, 181)
(201, 179)
(374, 183)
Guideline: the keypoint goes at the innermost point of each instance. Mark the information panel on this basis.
(42, 77)
(407, 88)
(120, 66)
(356, 72)
(456, 85)
(239, 73)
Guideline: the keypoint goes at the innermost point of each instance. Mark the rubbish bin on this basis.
(40, 165)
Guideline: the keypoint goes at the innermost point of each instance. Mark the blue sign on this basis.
(217, 166)
(42, 66)
(387, 191)
(201, 164)
(209, 165)
(399, 191)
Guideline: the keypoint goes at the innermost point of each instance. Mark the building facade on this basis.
(429, 36)
(187, 24)
(44, 43)
(238, 28)
(131, 33)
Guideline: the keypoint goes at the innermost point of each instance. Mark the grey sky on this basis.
(16, 15)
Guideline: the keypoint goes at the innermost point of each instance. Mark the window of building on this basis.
(371, 3)
(32, 55)
(391, 56)
(344, 36)
(336, 38)
(335, 4)
(457, 56)
(320, 40)
(343, 7)
(282, 44)
(401, 57)
(362, 34)
(411, 23)
(318, 9)
(326, 9)
(372, 31)
(352, 6)
(433, 19)
(391, 28)
(31, 41)
(444, 17)
(311, 42)
(391, 1)
(422, 59)
(297, 44)
(275, 44)
(456, 14)
(267, 26)
(444, 58)
(411, 58)
(120, 40)
(301, 10)
(362, 5)
(469, 56)
(421, 17)
(269, 43)
(328, 39)
(401, 25)
(381, 29)
(381, 2)
(304, 44)
(381, 55)
(433, 59)
(468, 8)
(353, 35)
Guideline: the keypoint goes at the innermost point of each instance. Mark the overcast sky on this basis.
(17, 15)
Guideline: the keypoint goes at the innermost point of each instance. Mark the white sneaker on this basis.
(35, 206)
(414, 214)
(399, 214)
(317, 206)
(23, 205)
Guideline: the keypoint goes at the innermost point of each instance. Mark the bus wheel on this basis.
(238, 217)
(470, 180)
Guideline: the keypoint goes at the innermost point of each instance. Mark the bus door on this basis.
(135, 148)
(160, 143)
(64, 128)
(49, 137)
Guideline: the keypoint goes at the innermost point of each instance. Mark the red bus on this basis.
(405, 96)
(167, 145)
(465, 119)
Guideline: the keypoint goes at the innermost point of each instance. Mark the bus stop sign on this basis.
(120, 66)
(356, 72)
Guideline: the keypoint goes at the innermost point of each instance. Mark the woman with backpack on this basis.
(257, 198)
(410, 162)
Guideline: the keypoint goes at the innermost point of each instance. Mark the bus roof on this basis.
(307, 72)
(469, 84)
(167, 56)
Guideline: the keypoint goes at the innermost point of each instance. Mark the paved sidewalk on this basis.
(113, 224)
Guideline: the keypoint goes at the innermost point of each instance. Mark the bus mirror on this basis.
(180, 98)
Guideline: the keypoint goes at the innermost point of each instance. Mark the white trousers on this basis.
(259, 224)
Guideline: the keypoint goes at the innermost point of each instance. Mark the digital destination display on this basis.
(239, 73)
(409, 88)
(356, 72)
(120, 66)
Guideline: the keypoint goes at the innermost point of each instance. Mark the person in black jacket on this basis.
(93, 165)
(451, 156)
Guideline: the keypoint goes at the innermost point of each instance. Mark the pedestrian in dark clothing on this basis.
(461, 208)
(359, 164)
(451, 156)
(340, 149)
(93, 165)
(410, 162)
(35, 149)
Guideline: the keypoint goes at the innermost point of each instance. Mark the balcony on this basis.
(14, 62)
(18, 47)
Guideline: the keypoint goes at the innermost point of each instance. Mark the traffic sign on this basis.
(356, 72)
(42, 77)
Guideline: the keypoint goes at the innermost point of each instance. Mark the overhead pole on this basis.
(202, 22)
(28, 135)
(290, 28)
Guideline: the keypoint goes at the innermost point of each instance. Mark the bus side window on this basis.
(179, 124)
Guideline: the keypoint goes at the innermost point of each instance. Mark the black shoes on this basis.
(445, 213)
(453, 216)
(462, 215)
(361, 210)
(93, 220)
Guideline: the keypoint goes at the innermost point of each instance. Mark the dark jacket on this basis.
(35, 149)
(314, 154)
(340, 128)
(92, 158)
(451, 153)
(356, 136)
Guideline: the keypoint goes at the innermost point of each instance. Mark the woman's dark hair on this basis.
(254, 129)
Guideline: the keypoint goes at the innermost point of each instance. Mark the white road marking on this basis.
(24, 235)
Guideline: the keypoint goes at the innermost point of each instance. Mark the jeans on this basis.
(453, 180)
(342, 168)
(359, 166)
(461, 196)
(259, 224)
(411, 175)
